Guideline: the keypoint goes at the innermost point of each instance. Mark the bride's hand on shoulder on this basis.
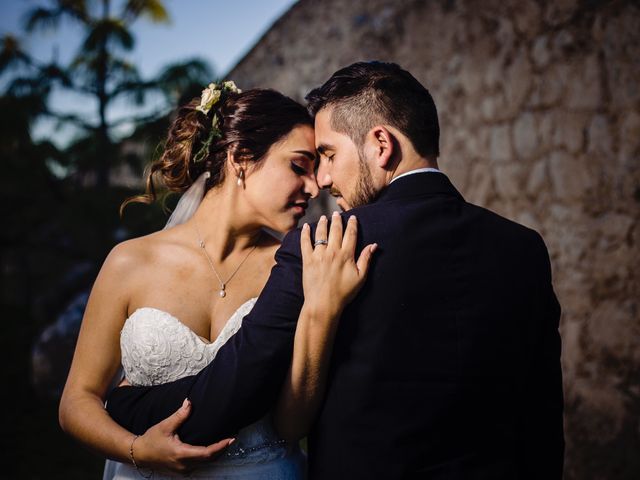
(331, 275)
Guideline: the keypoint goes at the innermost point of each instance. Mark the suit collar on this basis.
(426, 183)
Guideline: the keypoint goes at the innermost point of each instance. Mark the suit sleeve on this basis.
(544, 435)
(242, 383)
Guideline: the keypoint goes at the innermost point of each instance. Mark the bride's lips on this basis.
(299, 208)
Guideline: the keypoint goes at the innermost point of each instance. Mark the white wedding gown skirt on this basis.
(157, 348)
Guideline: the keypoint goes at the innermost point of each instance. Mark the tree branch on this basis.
(141, 119)
(71, 118)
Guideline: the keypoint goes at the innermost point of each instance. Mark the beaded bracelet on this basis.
(133, 460)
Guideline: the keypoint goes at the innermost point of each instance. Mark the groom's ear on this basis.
(381, 145)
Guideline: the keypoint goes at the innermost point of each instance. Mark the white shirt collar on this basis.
(417, 170)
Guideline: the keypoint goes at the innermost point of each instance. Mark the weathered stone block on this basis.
(547, 89)
(617, 331)
(480, 188)
(570, 131)
(517, 81)
(600, 137)
(538, 179)
(540, 52)
(525, 136)
(621, 53)
(584, 89)
(494, 108)
(623, 82)
(559, 11)
(509, 180)
(569, 178)
(629, 137)
(602, 407)
(470, 77)
(500, 144)
(546, 129)
(527, 16)
(493, 73)
(613, 230)
(482, 138)
(562, 45)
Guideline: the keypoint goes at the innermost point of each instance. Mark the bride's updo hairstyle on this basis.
(248, 124)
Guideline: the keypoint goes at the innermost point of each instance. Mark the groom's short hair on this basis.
(366, 94)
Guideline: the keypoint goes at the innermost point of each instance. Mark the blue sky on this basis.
(219, 31)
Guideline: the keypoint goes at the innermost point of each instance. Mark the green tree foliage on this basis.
(58, 227)
(100, 71)
(57, 219)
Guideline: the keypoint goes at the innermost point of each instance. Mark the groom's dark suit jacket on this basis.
(447, 364)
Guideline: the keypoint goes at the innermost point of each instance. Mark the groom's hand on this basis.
(160, 448)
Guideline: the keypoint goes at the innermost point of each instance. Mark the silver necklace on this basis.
(223, 284)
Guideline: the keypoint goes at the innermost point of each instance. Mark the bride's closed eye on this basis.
(298, 169)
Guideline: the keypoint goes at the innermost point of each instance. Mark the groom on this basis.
(447, 364)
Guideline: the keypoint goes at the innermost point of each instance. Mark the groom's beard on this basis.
(364, 191)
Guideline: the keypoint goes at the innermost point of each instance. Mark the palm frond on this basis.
(152, 9)
(53, 72)
(178, 78)
(77, 9)
(41, 18)
(12, 55)
(111, 32)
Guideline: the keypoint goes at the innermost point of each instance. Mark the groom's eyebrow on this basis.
(310, 155)
(323, 147)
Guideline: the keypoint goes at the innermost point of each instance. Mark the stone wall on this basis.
(539, 104)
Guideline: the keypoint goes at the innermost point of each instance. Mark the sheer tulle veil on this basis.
(189, 202)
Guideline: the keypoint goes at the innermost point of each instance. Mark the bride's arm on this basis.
(96, 361)
(331, 279)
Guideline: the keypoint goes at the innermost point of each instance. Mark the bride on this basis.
(163, 304)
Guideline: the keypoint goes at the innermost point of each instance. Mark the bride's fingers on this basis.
(305, 242)
(335, 232)
(193, 455)
(321, 229)
(173, 422)
(365, 259)
(350, 237)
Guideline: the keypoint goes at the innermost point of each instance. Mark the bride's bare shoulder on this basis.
(140, 251)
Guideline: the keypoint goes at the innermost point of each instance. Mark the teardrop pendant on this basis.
(222, 292)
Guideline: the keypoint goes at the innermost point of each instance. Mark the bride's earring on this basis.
(241, 178)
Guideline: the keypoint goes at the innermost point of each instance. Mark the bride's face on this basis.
(278, 190)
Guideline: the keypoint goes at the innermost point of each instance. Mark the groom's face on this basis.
(341, 167)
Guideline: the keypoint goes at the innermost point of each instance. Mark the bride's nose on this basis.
(311, 186)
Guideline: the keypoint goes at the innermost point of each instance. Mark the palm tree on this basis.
(99, 69)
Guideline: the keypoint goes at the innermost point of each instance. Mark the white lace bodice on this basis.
(158, 348)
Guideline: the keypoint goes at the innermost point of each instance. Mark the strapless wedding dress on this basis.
(158, 348)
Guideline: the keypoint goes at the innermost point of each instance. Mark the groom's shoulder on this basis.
(290, 245)
(497, 224)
